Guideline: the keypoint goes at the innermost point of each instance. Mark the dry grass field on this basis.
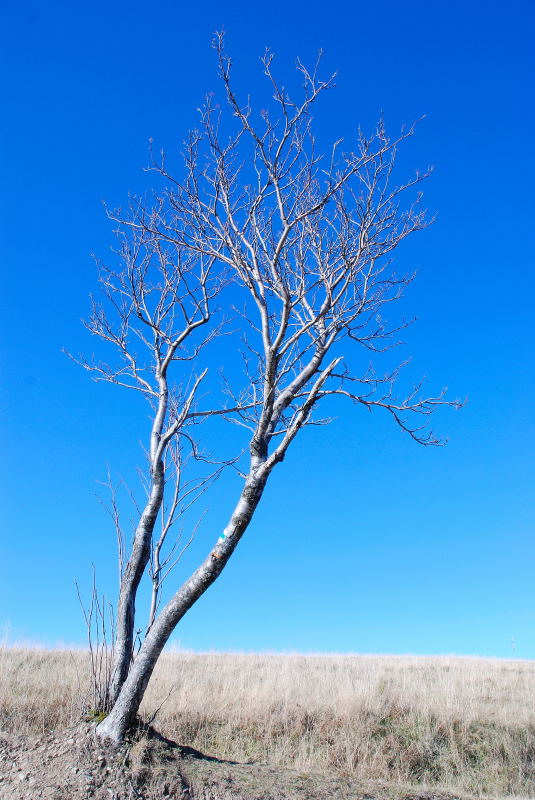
(462, 724)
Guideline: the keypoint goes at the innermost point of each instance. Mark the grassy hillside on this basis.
(459, 723)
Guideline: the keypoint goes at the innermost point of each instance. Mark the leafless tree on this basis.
(305, 240)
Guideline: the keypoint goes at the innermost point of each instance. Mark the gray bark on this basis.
(126, 606)
(119, 720)
(135, 568)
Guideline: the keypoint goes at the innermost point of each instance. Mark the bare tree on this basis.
(306, 241)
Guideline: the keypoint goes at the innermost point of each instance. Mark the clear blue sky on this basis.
(377, 545)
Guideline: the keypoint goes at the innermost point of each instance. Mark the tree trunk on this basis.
(135, 568)
(123, 713)
(126, 606)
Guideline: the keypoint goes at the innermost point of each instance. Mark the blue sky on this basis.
(364, 542)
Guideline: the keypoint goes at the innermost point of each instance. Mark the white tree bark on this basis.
(141, 549)
(115, 726)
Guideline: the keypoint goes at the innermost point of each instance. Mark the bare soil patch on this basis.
(73, 764)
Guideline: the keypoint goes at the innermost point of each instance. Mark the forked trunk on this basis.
(126, 706)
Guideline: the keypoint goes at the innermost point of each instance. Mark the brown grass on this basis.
(463, 723)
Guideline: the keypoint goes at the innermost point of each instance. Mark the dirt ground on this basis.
(75, 765)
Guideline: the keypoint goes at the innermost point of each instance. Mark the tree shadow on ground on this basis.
(184, 750)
